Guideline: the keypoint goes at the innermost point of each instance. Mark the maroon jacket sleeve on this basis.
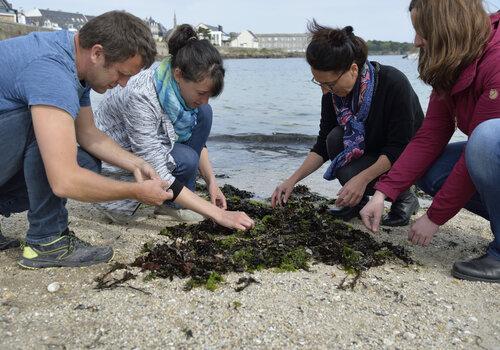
(458, 188)
(423, 150)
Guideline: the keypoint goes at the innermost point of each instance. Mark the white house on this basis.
(217, 35)
(7, 13)
(245, 39)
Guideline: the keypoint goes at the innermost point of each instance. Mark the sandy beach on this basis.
(393, 306)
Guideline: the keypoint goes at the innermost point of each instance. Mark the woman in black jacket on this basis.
(369, 113)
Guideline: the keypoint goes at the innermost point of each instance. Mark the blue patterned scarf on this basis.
(353, 123)
(182, 117)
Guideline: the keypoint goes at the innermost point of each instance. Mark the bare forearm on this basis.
(205, 167)
(312, 163)
(106, 149)
(86, 186)
(190, 200)
(381, 166)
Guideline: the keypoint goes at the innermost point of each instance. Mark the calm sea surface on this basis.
(266, 120)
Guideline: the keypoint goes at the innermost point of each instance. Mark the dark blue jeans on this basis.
(23, 181)
(187, 154)
(482, 155)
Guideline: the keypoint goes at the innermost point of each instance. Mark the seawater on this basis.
(267, 118)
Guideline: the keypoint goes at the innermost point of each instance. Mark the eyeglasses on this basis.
(327, 85)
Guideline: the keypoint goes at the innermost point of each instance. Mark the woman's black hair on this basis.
(197, 59)
(334, 49)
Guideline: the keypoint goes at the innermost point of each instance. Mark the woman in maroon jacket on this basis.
(460, 58)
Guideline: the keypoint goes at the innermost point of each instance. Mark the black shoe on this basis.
(347, 213)
(7, 243)
(485, 268)
(402, 209)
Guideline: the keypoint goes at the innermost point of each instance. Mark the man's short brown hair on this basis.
(122, 36)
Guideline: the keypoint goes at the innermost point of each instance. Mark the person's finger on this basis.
(347, 200)
(365, 217)
(223, 202)
(375, 221)
(273, 200)
(427, 241)
(287, 194)
(340, 191)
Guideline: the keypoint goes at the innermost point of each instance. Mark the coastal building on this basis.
(7, 13)
(157, 29)
(56, 20)
(245, 39)
(286, 42)
(215, 34)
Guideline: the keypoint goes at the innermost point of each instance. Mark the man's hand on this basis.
(422, 231)
(352, 192)
(145, 172)
(153, 192)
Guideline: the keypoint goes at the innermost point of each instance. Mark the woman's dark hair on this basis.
(122, 36)
(334, 49)
(197, 59)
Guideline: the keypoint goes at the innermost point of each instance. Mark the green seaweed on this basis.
(284, 239)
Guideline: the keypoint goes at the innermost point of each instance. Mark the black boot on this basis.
(402, 209)
(347, 213)
(485, 268)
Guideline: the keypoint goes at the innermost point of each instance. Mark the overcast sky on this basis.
(371, 19)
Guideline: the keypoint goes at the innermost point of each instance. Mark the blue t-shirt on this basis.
(40, 69)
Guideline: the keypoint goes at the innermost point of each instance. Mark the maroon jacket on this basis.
(474, 98)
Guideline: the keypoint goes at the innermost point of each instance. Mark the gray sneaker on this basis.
(7, 243)
(67, 250)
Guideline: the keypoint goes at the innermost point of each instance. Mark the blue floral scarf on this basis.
(353, 122)
(182, 117)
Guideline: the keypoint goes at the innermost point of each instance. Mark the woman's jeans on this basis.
(482, 156)
(23, 181)
(187, 154)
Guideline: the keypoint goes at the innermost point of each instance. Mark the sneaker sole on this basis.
(472, 278)
(40, 264)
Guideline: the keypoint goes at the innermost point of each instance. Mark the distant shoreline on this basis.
(10, 30)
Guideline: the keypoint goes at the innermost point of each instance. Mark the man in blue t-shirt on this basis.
(45, 114)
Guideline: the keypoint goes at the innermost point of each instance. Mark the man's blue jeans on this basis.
(482, 155)
(187, 154)
(23, 181)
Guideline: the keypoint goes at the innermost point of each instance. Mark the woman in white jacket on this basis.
(163, 116)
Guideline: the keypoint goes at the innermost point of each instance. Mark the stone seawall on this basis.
(10, 30)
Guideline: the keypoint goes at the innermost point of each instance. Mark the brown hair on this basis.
(334, 49)
(456, 32)
(122, 36)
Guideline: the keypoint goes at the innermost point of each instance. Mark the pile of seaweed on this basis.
(285, 239)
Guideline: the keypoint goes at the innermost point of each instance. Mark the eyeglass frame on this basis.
(331, 84)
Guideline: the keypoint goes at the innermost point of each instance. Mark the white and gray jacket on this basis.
(133, 117)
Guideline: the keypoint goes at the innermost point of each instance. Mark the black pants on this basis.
(335, 145)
